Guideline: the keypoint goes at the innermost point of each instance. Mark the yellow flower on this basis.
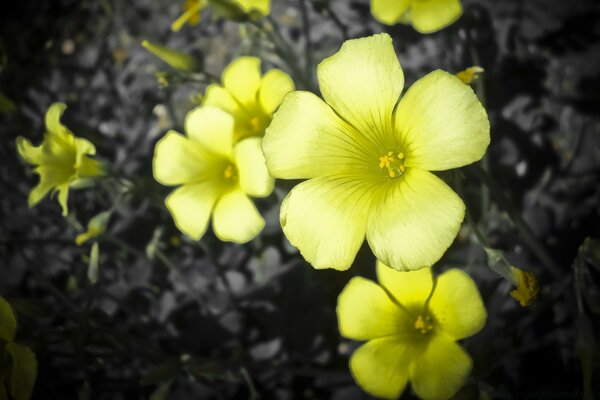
(249, 97)
(527, 286)
(61, 160)
(95, 227)
(216, 177)
(411, 324)
(368, 160)
(426, 16)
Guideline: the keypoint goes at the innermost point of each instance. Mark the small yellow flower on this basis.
(95, 227)
(470, 74)
(411, 325)
(249, 97)
(526, 284)
(367, 160)
(61, 160)
(216, 177)
(426, 16)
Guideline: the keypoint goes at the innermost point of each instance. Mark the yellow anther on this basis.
(400, 156)
(423, 324)
(255, 124)
(229, 172)
(393, 164)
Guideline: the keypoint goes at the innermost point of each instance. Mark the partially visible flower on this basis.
(95, 227)
(191, 14)
(263, 7)
(470, 74)
(249, 97)
(526, 284)
(426, 16)
(62, 160)
(411, 323)
(214, 176)
(367, 159)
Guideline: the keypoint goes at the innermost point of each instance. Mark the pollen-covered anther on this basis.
(394, 164)
(424, 324)
(229, 172)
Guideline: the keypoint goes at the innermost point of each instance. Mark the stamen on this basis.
(229, 172)
(393, 164)
(424, 324)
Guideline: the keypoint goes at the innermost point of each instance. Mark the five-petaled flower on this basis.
(411, 323)
(216, 176)
(249, 97)
(368, 159)
(425, 16)
(61, 160)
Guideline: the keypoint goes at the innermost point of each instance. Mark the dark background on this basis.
(220, 321)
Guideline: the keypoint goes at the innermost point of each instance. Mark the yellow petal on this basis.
(440, 370)
(274, 85)
(414, 221)
(442, 123)
(90, 168)
(242, 79)
(365, 311)
(254, 177)
(236, 218)
(211, 127)
(28, 152)
(218, 96)
(470, 74)
(457, 305)
(432, 15)
(38, 193)
(409, 288)
(53, 115)
(381, 366)
(191, 206)
(178, 160)
(389, 11)
(63, 196)
(326, 218)
(307, 139)
(262, 6)
(362, 83)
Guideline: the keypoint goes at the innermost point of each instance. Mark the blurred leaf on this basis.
(160, 373)
(31, 307)
(92, 272)
(6, 105)
(5, 363)
(161, 392)
(8, 322)
(23, 372)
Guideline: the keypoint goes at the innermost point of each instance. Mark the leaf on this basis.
(23, 372)
(160, 373)
(8, 322)
(92, 272)
(161, 392)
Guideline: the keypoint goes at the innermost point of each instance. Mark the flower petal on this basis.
(365, 311)
(440, 370)
(211, 127)
(414, 221)
(262, 6)
(442, 123)
(63, 196)
(254, 177)
(381, 366)
(326, 219)
(274, 85)
(362, 83)
(389, 11)
(218, 96)
(457, 305)
(307, 139)
(29, 152)
(242, 79)
(408, 287)
(433, 15)
(53, 115)
(178, 160)
(236, 219)
(191, 205)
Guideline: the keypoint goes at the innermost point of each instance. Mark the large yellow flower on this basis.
(425, 16)
(249, 97)
(61, 160)
(367, 159)
(411, 325)
(216, 177)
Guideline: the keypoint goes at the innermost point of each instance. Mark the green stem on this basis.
(534, 244)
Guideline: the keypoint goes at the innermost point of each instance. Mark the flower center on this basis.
(392, 163)
(424, 324)
(255, 124)
(229, 172)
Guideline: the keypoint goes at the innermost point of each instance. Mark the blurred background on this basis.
(164, 317)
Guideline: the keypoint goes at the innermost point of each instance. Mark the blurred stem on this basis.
(307, 44)
(533, 243)
(254, 395)
(458, 177)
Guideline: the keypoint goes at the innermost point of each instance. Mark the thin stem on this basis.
(254, 395)
(534, 245)
(472, 224)
(307, 44)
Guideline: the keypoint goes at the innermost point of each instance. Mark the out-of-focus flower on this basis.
(176, 59)
(368, 161)
(191, 14)
(527, 286)
(263, 7)
(62, 160)
(216, 177)
(426, 16)
(470, 74)
(411, 323)
(95, 227)
(249, 97)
